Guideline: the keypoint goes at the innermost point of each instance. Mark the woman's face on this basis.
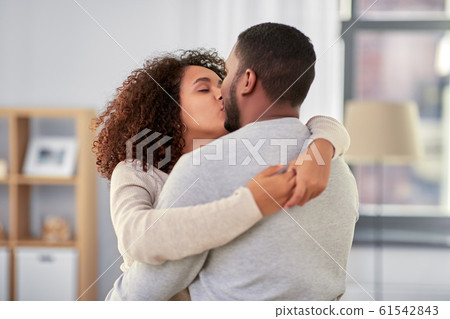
(201, 100)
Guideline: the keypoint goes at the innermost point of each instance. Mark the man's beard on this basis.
(233, 116)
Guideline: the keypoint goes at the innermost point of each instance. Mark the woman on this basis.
(156, 98)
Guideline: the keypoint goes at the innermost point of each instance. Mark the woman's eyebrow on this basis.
(205, 79)
(202, 79)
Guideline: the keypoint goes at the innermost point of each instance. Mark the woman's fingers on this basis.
(304, 199)
(271, 170)
(277, 189)
(297, 197)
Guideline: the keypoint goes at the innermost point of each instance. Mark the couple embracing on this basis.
(259, 213)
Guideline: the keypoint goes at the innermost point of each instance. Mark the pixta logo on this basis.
(147, 142)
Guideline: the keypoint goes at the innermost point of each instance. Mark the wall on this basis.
(75, 53)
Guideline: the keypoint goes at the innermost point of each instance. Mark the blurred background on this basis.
(68, 55)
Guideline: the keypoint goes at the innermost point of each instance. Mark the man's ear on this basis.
(248, 82)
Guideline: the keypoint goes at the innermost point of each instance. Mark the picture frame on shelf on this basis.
(51, 156)
(3, 169)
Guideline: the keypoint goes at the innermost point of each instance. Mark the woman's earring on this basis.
(184, 127)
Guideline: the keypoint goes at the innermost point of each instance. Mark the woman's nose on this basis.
(218, 94)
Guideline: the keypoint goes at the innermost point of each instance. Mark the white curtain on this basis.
(217, 24)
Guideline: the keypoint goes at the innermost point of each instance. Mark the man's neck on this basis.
(274, 112)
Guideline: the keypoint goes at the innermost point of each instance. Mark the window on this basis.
(399, 51)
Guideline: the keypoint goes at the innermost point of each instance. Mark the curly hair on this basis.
(149, 99)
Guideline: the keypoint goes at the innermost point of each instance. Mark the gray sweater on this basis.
(297, 254)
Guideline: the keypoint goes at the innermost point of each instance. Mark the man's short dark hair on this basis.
(279, 55)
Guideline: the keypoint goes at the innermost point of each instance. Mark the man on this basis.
(298, 254)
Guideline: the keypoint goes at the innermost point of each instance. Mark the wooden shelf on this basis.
(42, 112)
(20, 123)
(36, 180)
(44, 180)
(44, 243)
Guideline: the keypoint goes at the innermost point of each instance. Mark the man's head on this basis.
(270, 63)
